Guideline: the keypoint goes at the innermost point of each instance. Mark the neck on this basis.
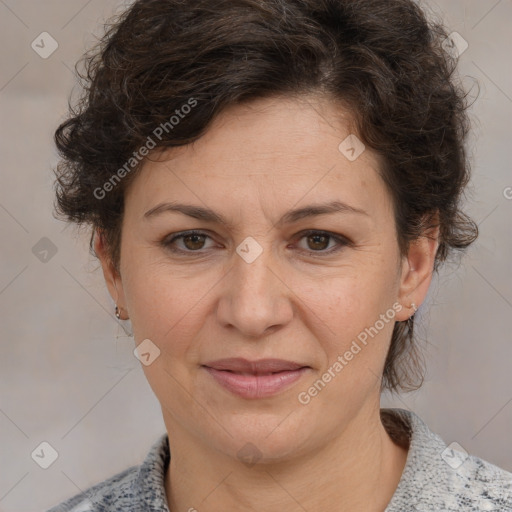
(359, 469)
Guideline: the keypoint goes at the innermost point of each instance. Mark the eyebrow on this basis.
(208, 215)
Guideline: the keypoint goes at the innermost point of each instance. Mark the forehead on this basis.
(273, 129)
(282, 149)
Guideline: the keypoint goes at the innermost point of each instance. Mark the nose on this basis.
(255, 299)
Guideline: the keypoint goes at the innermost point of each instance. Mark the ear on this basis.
(112, 277)
(417, 270)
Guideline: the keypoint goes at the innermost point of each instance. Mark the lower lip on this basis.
(256, 386)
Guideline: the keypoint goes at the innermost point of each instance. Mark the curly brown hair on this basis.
(382, 59)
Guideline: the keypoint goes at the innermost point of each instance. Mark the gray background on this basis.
(67, 372)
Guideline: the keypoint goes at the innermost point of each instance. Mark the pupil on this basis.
(194, 238)
(316, 237)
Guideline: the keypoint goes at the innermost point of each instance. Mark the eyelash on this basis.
(340, 240)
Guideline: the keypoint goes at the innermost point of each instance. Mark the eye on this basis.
(319, 241)
(193, 241)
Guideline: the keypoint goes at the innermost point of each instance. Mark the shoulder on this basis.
(479, 485)
(106, 495)
(440, 477)
(136, 488)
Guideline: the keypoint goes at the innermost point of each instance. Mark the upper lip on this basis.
(240, 365)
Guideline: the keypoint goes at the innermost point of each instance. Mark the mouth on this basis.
(255, 379)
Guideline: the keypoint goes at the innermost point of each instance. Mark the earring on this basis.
(413, 306)
(124, 323)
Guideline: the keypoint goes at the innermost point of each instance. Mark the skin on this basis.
(295, 301)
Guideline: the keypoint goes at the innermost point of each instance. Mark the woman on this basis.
(271, 185)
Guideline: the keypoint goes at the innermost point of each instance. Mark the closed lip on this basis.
(256, 367)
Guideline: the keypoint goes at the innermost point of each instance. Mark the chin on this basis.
(263, 438)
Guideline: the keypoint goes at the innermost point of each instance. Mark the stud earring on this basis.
(118, 313)
(413, 306)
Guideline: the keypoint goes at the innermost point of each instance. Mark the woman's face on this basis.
(262, 282)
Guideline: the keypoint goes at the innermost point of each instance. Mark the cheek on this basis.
(351, 307)
(353, 339)
(163, 306)
(347, 304)
(168, 311)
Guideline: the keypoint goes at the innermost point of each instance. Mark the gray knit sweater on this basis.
(436, 478)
